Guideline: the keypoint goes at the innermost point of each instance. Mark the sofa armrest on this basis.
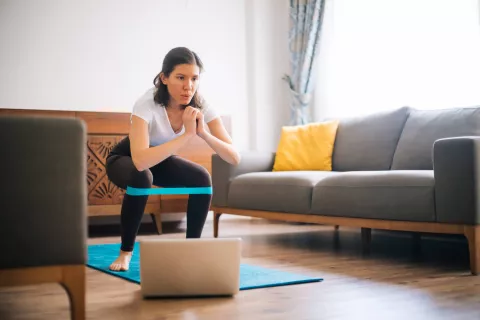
(223, 172)
(456, 165)
(43, 191)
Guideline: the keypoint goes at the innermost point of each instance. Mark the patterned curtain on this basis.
(306, 18)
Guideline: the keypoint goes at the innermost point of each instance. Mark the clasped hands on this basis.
(193, 121)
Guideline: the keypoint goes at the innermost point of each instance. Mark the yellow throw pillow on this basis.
(306, 147)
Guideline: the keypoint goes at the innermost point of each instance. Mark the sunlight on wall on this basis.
(383, 54)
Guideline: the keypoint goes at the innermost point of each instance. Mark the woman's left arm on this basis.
(218, 139)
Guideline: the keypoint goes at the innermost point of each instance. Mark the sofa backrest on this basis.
(423, 127)
(368, 142)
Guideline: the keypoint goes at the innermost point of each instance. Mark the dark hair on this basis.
(174, 57)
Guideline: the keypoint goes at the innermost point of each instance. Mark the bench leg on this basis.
(157, 219)
(216, 220)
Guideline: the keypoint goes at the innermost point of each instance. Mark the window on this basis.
(384, 54)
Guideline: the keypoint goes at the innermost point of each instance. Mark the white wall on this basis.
(102, 55)
(267, 62)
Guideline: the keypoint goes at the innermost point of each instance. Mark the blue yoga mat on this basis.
(100, 256)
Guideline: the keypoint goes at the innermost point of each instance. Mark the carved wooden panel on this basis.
(95, 170)
(101, 146)
(101, 191)
(105, 192)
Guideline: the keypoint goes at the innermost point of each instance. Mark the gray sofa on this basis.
(405, 169)
(43, 222)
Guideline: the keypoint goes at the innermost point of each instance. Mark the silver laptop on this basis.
(190, 267)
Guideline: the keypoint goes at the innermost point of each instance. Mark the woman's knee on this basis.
(122, 172)
(140, 179)
(203, 177)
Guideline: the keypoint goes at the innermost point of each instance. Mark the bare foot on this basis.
(122, 263)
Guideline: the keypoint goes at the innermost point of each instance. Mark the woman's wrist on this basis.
(189, 135)
(204, 135)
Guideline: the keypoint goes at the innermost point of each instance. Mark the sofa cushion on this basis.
(369, 142)
(284, 191)
(306, 147)
(423, 127)
(389, 195)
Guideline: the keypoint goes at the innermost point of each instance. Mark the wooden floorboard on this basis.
(400, 278)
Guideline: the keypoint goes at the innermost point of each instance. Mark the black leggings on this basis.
(172, 172)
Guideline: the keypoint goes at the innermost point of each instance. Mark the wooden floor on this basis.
(397, 280)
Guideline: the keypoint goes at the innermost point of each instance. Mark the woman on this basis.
(163, 120)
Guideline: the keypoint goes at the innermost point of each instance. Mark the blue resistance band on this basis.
(149, 191)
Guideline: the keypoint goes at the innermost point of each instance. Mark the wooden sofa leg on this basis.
(366, 239)
(73, 281)
(216, 220)
(473, 236)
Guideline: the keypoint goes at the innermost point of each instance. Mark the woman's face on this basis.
(182, 83)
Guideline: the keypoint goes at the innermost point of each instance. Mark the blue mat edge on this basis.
(302, 281)
(310, 280)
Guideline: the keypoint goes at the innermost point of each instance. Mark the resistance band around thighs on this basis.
(180, 190)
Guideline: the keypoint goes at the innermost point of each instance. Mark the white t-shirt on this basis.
(159, 127)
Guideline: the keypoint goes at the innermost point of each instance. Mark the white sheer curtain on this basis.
(383, 54)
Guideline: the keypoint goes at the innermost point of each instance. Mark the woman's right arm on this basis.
(145, 157)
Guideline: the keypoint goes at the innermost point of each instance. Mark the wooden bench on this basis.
(105, 129)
